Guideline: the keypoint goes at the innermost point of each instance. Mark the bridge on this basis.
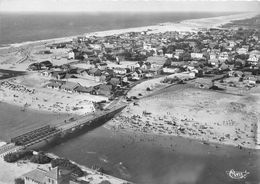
(91, 119)
(47, 132)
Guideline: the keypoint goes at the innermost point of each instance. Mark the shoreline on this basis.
(189, 25)
(211, 143)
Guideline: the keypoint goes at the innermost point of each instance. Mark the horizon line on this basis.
(134, 11)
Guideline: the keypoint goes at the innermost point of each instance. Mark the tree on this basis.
(242, 56)
(185, 56)
(66, 164)
(167, 63)
(40, 159)
(19, 181)
(170, 49)
(15, 156)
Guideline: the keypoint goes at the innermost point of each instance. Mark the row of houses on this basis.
(109, 89)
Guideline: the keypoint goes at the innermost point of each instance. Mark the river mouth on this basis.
(141, 158)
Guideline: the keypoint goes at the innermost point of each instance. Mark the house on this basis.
(156, 62)
(242, 51)
(170, 70)
(213, 62)
(195, 55)
(212, 56)
(58, 74)
(45, 64)
(69, 86)
(240, 62)
(82, 89)
(254, 57)
(46, 73)
(179, 64)
(146, 66)
(34, 66)
(114, 81)
(104, 89)
(51, 176)
(178, 52)
(71, 55)
(223, 66)
(223, 56)
(168, 55)
(135, 75)
(121, 71)
(96, 46)
(54, 85)
(250, 80)
(149, 74)
(102, 66)
(95, 72)
(232, 43)
(147, 46)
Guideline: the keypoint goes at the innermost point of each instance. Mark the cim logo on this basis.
(237, 175)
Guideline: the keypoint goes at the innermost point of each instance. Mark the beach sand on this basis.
(185, 111)
(44, 99)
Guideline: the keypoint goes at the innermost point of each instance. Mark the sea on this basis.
(22, 27)
(139, 158)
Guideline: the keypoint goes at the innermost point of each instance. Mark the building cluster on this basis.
(118, 60)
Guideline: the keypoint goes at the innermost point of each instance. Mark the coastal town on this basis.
(201, 84)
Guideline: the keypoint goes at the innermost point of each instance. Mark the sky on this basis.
(128, 5)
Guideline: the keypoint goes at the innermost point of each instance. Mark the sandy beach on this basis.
(207, 116)
(23, 92)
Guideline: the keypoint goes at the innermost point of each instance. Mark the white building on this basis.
(254, 57)
(170, 70)
(71, 55)
(120, 71)
(147, 46)
(196, 55)
(242, 51)
(223, 56)
(168, 55)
